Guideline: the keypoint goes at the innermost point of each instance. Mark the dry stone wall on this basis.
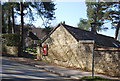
(85, 50)
(10, 50)
(108, 62)
(65, 50)
(61, 48)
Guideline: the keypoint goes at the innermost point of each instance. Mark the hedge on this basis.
(11, 39)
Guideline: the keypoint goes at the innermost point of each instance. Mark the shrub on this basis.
(32, 51)
(11, 39)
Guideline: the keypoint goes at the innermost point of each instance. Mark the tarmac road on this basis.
(11, 70)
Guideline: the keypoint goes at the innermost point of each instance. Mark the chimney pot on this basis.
(63, 22)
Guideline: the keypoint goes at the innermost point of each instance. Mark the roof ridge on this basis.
(81, 34)
(88, 31)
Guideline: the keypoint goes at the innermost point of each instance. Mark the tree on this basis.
(117, 30)
(112, 13)
(0, 20)
(8, 16)
(95, 14)
(35, 10)
(108, 11)
(13, 21)
(45, 10)
(32, 11)
(47, 30)
(84, 24)
(21, 30)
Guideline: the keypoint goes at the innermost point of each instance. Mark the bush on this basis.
(32, 51)
(11, 39)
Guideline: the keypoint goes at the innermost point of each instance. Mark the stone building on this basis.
(73, 47)
(33, 35)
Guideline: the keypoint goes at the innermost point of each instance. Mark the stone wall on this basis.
(10, 50)
(85, 50)
(65, 50)
(108, 62)
(61, 48)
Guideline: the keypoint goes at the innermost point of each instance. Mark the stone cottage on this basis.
(33, 35)
(73, 47)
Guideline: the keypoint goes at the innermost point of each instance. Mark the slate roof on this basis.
(80, 34)
(32, 36)
(101, 40)
(39, 32)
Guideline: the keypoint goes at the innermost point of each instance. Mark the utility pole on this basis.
(93, 53)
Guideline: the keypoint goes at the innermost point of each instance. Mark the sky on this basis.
(71, 12)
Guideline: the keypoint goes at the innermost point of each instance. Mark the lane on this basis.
(14, 70)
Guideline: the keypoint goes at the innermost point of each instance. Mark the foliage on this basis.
(45, 10)
(93, 9)
(84, 24)
(112, 13)
(8, 16)
(11, 39)
(104, 12)
(95, 78)
(32, 51)
(47, 30)
(31, 11)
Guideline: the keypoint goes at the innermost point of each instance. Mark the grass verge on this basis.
(95, 78)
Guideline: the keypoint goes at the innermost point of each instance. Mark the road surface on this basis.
(13, 70)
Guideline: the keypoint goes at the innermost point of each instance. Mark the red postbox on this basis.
(45, 49)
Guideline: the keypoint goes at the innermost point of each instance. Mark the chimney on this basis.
(93, 28)
(63, 22)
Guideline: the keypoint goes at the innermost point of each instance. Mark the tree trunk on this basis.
(21, 31)
(13, 21)
(9, 23)
(117, 30)
(1, 21)
(118, 25)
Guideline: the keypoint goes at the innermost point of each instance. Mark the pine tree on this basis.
(102, 12)
(95, 14)
(112, 13)
(44, 10)
(8, 17)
